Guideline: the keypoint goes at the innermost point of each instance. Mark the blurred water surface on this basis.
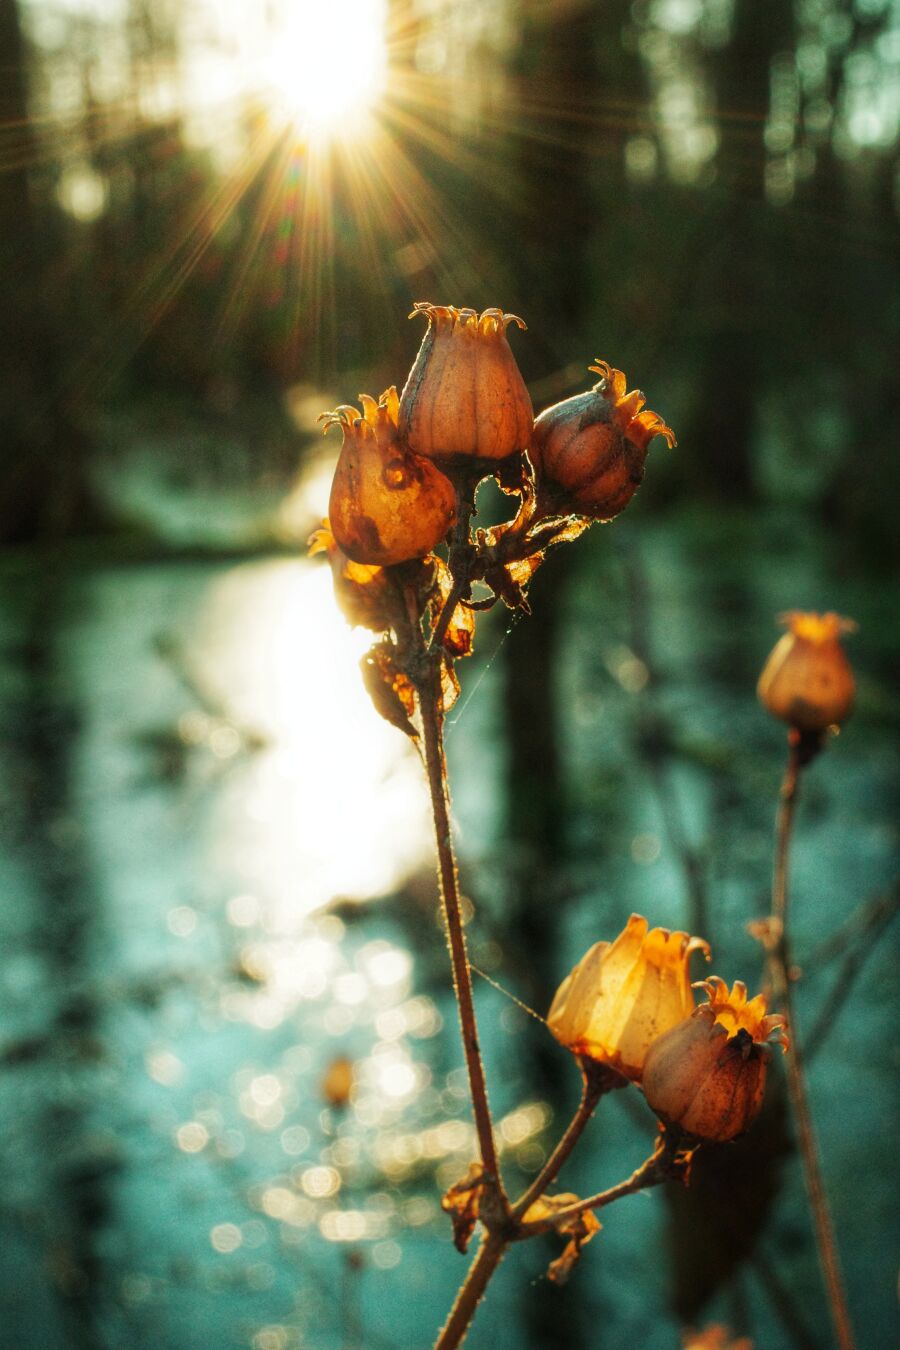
(200, 808)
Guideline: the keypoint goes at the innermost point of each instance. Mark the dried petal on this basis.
(365, 594)
(460, 634)
(389, 689)
(580, 1228)
(450, 686)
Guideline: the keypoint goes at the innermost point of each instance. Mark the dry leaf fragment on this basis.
(450, 686)
(579, 1230)
(460, 634)
(462, 1202)
(389, 689)
(364, 594)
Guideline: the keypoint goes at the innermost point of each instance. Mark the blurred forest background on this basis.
(230, 1082)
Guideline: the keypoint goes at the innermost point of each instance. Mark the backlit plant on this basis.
(405, 563)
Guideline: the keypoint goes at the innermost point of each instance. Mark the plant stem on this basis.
(780, 964)
(436, 769)
(655, 1169)
(490, 1254)
(592, 1090)
(460, 558)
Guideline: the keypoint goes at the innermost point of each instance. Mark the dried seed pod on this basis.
(714, 1337)
(708, 1074)
(465, 396)
(589, 451)
(623, 995)
(807, 680)
(387, 504)
(337, 1083)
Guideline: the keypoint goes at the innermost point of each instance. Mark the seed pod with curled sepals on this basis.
(623, 995)
(387, 504)
(708, 1074)
(807, 680)
(465, 396)
(589, 451)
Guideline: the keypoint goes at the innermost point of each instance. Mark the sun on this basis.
(325, 67)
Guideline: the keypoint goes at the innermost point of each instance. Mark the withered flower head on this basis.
(623, 995)
(807, 680)
(589, 451)
(387, 504)
(337, 1083)
(708, 1074)
(714, 1337)
(465, 396)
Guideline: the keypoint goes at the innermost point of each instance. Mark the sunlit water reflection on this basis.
(227, 781)
(251, 1101)
(335, 807)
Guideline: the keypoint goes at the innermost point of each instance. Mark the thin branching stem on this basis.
(851, 966)
(667, 1160)
(780, 963)
(490, 1254)
(461, 553)
(592, 1091)
(660, 1166)
(436, 769)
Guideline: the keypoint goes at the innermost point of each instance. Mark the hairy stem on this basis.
(436, 768)
(593, 1089)
(488, 1258)
(659, 1167)
(780, 963)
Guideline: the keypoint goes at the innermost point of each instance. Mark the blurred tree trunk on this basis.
(576, 63)
(68, 1165)
(566, 216)
(733, 349)
(855, 355)
(44, 487)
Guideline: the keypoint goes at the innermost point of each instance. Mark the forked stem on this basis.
(667, 1160)
(801, 751)
(595, 1084)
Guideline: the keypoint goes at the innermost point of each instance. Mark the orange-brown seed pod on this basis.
(387, 504)
(465, 396)
(807, 680)
(708, 1074)
(589, 451)
(337, 1084)
(714, 1337)
(623, 995)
